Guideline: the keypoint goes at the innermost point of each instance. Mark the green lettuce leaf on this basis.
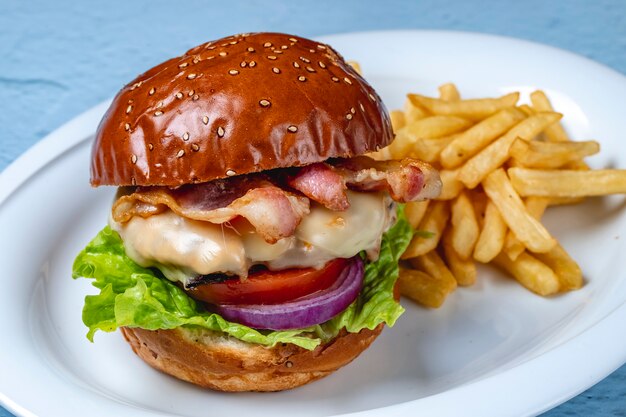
(133, 296)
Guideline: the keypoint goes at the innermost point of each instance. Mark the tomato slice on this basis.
(270, 287)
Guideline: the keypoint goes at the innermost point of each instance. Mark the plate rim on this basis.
(595, 338)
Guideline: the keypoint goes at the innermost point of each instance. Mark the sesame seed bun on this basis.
(215, 361)
(240, 104)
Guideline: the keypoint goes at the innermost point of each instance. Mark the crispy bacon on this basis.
(273, 212)
(405, 180)
(320, 182)
(275, 202)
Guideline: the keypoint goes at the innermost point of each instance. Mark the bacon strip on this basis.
(405, 180)
(270, 205)
(273, 212)
(321, 183)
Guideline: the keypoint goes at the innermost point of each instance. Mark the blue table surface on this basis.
(59, 58)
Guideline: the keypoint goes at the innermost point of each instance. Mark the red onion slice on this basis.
(305, 311)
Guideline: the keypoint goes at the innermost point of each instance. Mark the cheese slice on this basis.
(183, 248)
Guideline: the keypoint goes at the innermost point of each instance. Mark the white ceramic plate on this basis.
(492, 350)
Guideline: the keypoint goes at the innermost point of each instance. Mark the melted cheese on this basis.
(183, 248)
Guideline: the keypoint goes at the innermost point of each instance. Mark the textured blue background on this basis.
(59, 58)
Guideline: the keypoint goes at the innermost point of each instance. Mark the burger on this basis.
(251, 245)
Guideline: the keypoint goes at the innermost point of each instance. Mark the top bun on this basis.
(241, 104)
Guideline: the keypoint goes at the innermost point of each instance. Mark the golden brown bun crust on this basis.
(240, 104)
(224, 364)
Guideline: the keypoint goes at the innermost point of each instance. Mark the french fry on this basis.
(474, 109)
(413, 113)
(560, 201)
(415, 211)
(567, 183)
(451, 185)
(566, 269)
(433, 223)
(535, 207)
(547, 155)
(432, 264)
(526, 228)
(356, 66)
(422, 288)
(428, 149)
(494, 155)
(468, 143)
(555, 132)
(531, 273)
(448, 92)
(428, 127)
(398, 121)
(464, 270)
(465, 230)
(492, 235)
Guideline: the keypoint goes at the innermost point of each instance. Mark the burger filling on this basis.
(300, 252)
(184, 249)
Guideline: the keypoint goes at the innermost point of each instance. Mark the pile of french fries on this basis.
(502, 164)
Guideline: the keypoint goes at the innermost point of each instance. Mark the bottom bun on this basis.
(216, 361)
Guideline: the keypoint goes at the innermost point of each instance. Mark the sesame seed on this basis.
(220, 132)
(335, 79)
(180, 153)
(129, 109)
(191, 76)
(186, 136)
(205, 120)
(191, 93)
(152, 90)
(251, 49)
(349, 116)
(277, 51)
(267, 44)
(347, 80)
(288, 364)
(352, 110)
(302, 78)
(252, 64)
(361, 106)
(127, 126)
(293, 39)
(243, 64)
(321, 47)
(272, 57)
(321, 64)
(224, 44)
(230, 173)
(233, 72)
(179, 95)
(195, 147)
(150, 146)
(372, 97)
(303, 59)
(196, 60)
(284, 47)
(195, 97)
(223, 53)
(210, 47)
(275, 70)
(310, 69)
(160, 104)
(133, 159)
(233, 42)
(292, 129)
(264, 103)
(295, 64)
(158, 113)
